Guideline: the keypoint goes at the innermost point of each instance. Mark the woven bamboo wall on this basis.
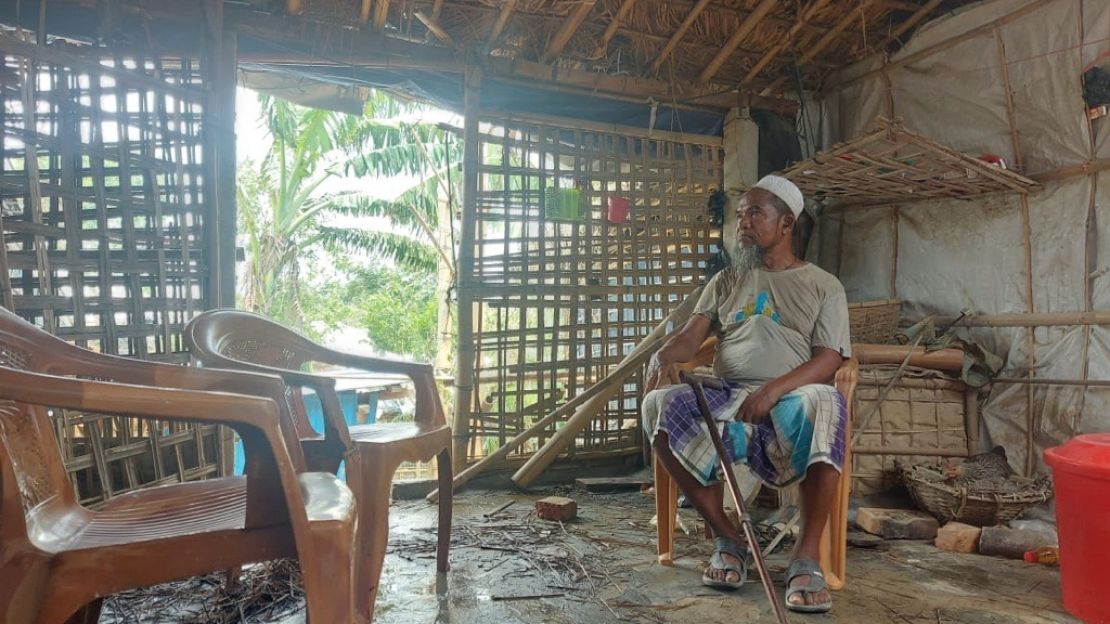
(103, 199)
(559, 300)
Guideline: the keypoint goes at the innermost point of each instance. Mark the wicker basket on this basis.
(947, 502)
(874, 322)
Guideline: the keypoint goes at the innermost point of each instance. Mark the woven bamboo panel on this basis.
(890, 164)
(103, 210)
(909, 417)
(561, 298)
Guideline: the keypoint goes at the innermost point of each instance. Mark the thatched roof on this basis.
(679, 41)
(708, 55)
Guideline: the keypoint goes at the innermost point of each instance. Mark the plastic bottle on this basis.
(1048, 555)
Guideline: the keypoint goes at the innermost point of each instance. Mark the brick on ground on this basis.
(897, 523)
(958, 537)
(556, 509)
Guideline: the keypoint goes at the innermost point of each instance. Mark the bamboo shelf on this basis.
(890, 164)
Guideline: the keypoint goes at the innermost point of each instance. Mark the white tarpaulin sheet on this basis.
(960, 254)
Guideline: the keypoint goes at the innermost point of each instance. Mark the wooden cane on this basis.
(696, 382)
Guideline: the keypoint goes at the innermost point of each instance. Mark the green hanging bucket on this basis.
(564, 204)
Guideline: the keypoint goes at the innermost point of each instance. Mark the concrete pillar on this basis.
(741, 166)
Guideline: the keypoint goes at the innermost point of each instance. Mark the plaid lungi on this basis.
(806, 427)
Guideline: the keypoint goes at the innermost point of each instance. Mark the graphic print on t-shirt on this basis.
(762, 306)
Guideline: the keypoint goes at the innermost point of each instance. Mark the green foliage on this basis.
(290, 225)
(396, 306)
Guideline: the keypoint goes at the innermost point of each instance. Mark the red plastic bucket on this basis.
(618, 209)
(1081, 475)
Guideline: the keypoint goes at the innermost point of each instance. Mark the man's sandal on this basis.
(725, 546)
(803, 567)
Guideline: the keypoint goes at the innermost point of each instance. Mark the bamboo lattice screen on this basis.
(103, 214)
(560, 292)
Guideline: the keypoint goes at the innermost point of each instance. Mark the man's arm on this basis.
(819, 369)
(680, 348)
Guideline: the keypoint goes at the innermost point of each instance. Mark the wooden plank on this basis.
(679, 33)
(502, 19)
(364, 11)
(570, 26)
(745, 29)
(294, 7)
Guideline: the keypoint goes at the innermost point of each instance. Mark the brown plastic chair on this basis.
(247, 341)
(58, 559)
(834, 540)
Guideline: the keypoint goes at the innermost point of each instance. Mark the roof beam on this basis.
(611, 29)
(815, 30)
(436, 29)
(364, 12)
(820, 46)
(502, 18)
(381, 13)
(678, 34)
(570, 26)
(745, 29)
(808, 14)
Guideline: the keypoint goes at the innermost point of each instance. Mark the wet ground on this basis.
(511, 567)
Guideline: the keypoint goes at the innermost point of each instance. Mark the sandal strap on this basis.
(729, 547)
(802, 567)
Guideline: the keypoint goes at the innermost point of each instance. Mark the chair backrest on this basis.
(33, 471)
(230, 338)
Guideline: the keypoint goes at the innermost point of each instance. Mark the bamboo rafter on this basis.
(891, 164)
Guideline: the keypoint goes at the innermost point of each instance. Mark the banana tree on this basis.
(289, 220)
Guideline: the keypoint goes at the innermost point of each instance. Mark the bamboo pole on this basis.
(614, 379)
(678, 34)
(942, 359)
(746, 27)
(1045, 319)
(464, 363)
(1041, 381)
(582, 417)
(611, 29)
(566, 32)
(435, 28)
(502, 19)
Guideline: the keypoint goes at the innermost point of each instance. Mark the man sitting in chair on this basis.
(783, 330)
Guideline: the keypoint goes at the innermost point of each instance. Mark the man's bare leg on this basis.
(818, 491)
(706, 499)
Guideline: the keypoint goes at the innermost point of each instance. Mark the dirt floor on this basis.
(601, 568)
(511, 567)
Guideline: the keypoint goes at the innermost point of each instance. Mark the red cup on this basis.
(618, 209)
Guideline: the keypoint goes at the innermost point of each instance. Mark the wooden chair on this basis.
(247, 341)
(58, 559)
(834, 540)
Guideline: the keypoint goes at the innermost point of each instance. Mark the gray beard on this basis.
(748, 257)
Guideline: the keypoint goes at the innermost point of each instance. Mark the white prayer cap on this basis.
(785, 190)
